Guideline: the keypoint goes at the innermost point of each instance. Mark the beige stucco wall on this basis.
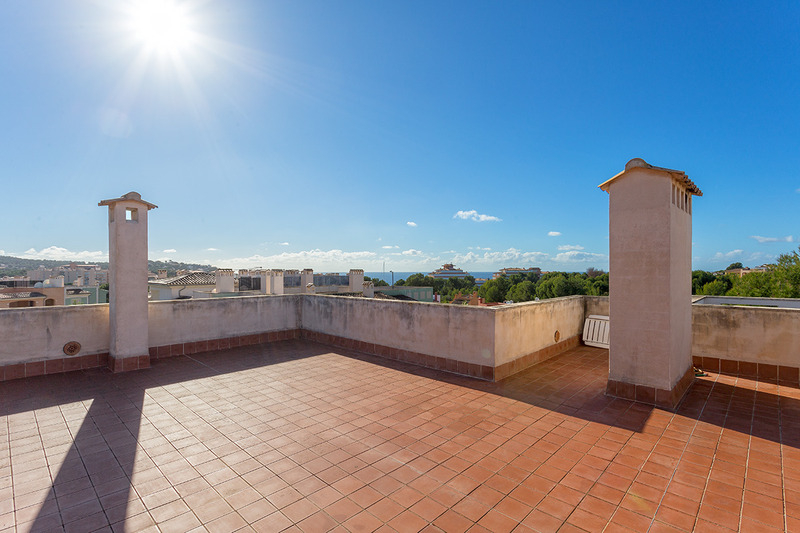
(451, 331)
(127, 278)
(650, 281)
(480, 335)
(40, 333)
(179, 321)
(743, 333)
(596, 305)
(476, 335)
(528, 327)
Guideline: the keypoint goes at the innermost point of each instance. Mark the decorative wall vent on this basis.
(72, 348)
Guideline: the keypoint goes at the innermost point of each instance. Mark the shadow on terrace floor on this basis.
(93, 449)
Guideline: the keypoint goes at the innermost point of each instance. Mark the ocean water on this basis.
(387, 276)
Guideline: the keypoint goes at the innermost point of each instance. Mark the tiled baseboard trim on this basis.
(521, 363)
(126, 364)
(53, 366)
(84, 362)
(485, 372)
(667, 399)
(190, 348)
(415, 358)
(784, 375)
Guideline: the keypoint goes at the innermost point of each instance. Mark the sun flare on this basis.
(162, 26)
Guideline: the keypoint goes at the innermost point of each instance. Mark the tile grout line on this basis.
(719, 439)
(749, 444)
(685, 446)
(783, 466)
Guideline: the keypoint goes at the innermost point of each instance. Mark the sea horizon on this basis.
(387, 276)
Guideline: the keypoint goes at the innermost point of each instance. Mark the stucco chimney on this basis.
(224, 280)
(650, 247)
(127, 278)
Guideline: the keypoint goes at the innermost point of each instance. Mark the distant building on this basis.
(82, 275)
(742, 271)
(402, 292)
(37, 296)
(301, 281)
(448, 271)
(473, 299)
(508, 272)
(15, 281)
(77, 296)
(22, 298)
(182, 286)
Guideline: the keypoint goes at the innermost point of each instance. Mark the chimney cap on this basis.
(638, 162)
(132, 196)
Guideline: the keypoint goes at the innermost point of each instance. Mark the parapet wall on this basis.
(485, 342)
(531, 332)
(753, 341)
(41, 332)
(184, 321)
(475, 341)
(449, 331)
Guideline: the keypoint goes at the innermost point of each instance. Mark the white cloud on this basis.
(565, 247)
(744, 257)
(553, 233)
(763, 240)
(212, 249)
(412, 224)
(316, 259)
(284, 243)
(733, 254)
(477, 248)
(491, 259)
(474, 215)
(413, 252)
(62, 254)
(170, 251)
(575, 256)
(389, 247)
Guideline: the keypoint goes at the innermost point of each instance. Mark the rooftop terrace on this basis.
(298, 436)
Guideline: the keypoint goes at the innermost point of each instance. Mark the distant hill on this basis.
(16, 266)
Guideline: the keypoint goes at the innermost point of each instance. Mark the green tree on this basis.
(700, 278)
(495, 290)
(754, 284)
(734, 265)
(420, 280)
(718, 287)
(594, 272)
(598, 286)
(787, 275)
(524, 291)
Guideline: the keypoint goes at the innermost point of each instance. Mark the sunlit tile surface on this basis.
(295, 434)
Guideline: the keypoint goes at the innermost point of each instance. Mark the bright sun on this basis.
(162, 26)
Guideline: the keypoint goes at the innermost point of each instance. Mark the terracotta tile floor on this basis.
(295, 436)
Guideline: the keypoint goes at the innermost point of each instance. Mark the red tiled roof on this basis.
(192, 278)
(23, 294)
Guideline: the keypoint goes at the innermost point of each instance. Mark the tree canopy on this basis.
(518, 287)
(781, 280)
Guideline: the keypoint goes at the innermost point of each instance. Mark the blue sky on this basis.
(337, 135)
